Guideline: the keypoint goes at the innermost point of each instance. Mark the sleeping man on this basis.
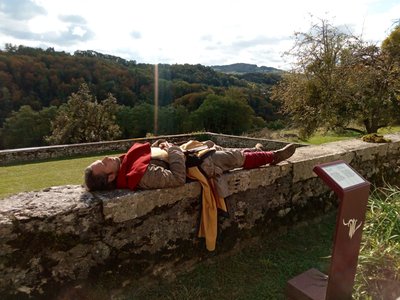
(164, 164)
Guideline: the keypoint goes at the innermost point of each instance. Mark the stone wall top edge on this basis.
(143, 139)
(251, 138)
(99, 143)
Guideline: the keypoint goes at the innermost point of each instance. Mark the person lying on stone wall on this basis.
(163, 164)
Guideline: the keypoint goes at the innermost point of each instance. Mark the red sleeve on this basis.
(133, 166)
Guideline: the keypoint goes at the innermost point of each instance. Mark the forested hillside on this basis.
(36, 84)
(242, 68)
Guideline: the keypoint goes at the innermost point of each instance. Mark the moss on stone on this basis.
(375, 138)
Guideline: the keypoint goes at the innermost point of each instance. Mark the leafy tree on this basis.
(136, 121)
(192, 101)
(173, 120)
(224, 115)
(370, 88)
(391, 44)
(337, 79)
(181, 88)
(26, 127)
(164, 92)
(84, 119)
(5, 103)
(391, 50)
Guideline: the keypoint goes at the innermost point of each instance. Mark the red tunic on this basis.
(133, 165)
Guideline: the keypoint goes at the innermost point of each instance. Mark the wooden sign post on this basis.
(353, 191)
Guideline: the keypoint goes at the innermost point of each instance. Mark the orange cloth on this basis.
(210, 203)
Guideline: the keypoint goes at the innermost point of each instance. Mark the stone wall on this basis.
(64, 234)
(62, 151)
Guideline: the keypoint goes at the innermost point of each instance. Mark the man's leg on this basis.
(259, 158)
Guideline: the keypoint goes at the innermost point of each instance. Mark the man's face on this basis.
(108, 165)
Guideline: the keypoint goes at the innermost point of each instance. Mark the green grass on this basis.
(258, 271)
(391, 129)
(321, 137)
(379, 260)
(261, 270)
(330, 137)
(38, 175)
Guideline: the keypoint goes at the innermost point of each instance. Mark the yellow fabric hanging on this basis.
(210, 203)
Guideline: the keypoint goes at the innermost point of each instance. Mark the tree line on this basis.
(37, 86)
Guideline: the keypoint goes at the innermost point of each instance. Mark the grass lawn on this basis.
(258, 271)
(330, 137)
(391, 129)
(321, 138)
(38, 175)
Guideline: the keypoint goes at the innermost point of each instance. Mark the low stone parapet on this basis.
(64, 234)
(11, 156)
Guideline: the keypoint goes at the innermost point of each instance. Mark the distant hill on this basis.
(242, 68)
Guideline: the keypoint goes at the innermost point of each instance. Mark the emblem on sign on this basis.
(352, 224)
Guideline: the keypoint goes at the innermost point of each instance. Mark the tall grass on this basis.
(378, 273)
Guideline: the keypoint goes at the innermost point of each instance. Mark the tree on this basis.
(26, 127)
(371, 88)
(136, 121)
(224, 115)
(391, 50)
(84, 119)
(173, 119)
(337, 79)
(391, 45)
(5, 103)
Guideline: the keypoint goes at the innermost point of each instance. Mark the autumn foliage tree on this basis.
(84, 119)
(337, 81)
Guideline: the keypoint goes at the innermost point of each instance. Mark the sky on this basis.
(207, 32)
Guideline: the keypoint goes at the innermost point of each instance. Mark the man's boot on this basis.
(283, 154)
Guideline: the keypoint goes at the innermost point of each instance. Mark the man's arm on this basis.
(159, 177)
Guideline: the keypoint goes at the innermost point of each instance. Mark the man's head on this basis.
(101, 174)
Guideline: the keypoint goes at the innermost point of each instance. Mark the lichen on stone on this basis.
(375, 138)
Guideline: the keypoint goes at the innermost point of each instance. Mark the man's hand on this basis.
(165, 145)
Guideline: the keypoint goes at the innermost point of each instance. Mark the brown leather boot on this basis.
(283, 154)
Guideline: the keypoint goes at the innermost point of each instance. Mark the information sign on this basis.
(343, 175)
(353, 191)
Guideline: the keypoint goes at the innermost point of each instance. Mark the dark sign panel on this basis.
(353, 191)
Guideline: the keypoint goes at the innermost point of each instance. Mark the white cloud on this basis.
(178, 31)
